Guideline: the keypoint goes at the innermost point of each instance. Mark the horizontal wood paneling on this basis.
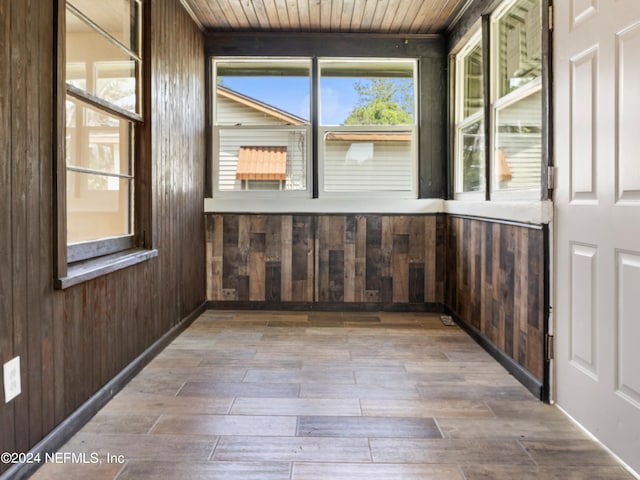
(495, 283)
(74, 341)
(325, 258)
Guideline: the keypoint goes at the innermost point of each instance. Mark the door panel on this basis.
(583, 317)
(597, 218)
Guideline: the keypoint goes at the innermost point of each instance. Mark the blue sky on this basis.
(291, 94)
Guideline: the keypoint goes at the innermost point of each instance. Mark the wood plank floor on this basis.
(328, 396)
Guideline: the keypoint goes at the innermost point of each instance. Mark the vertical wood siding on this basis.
(72, 342)
(325, 258)
(495, 283)
(260, 258)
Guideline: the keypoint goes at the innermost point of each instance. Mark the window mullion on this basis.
(315, 120)
(101, 104)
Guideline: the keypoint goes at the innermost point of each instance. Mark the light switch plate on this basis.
(12, 387)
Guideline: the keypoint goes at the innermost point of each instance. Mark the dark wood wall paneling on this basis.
(494, 278)
(495, 283)
(332, 259)
(74, 341)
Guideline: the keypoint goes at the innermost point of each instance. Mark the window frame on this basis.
(498, 102)
(323, 129)
(432, 55)
(494, 103)
(82, 261)
(216, 128)
(315, 149)
(461, 122)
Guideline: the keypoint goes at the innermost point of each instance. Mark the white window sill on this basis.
(533, 212)
(323, 205)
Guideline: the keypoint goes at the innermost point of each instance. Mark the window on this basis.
(469, 114)
(370, 146)
(263, 126)
(262, 129)
(517, 98)
(102, 120)
(515, 103)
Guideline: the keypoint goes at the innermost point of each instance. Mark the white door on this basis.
(597, 218)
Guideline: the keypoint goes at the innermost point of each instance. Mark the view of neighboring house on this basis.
(269, 150)
(258, 157)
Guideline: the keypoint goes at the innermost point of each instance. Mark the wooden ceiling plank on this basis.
(372, 16)
(205, 17)
(336, 14)
(378, 15)
(346, 16)
(325, 15)
(434, 17)
(358, 16)
(386, 24)
(367, 15)
(314, 15)
(406, 14)
(294, 15)
(263, 17)
(283, 14)
(272, 14)
(449, 13)
(421, 19)
(249, 13)
(303, 15)
(215, 16)
(235, 22)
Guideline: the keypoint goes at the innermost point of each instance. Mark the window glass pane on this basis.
(262, 159)
(517, 158)
(110, 73)
(374, 161)
(367, 92)
(96, 140)
(472, 82)
(115, 83)
(263, 92)
(76, 74)
(519, 35)
(469, 142)
(471, 157)
(98, 206)
(119, 18)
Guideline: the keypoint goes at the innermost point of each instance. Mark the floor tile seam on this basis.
(486, 404)
(435, 420)
(526, 451)
(461, 470)
(150, 430)
(213, 448)
(121, 471)
(231, 405)
(180, 388)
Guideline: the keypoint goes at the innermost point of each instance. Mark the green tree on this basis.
(382, 101)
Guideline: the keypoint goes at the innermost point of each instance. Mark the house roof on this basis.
(261, 106)
(262, 163)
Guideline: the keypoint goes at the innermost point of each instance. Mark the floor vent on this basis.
(447, 320)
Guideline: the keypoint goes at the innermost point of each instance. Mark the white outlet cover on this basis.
(11, 376)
